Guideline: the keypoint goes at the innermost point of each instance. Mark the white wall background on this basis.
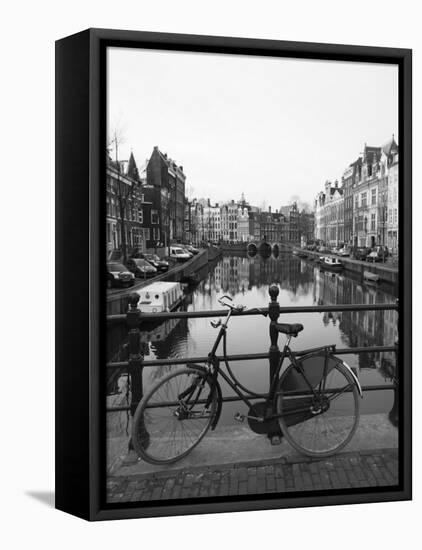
(28, 31)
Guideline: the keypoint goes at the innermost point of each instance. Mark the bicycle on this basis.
(314, 401)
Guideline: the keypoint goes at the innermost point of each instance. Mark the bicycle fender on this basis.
(219, 403)
(347, 367)
(353, 375)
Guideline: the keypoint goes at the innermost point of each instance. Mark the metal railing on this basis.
(134, 319)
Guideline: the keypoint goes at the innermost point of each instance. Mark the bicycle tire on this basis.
(309, 428)
(161, 437)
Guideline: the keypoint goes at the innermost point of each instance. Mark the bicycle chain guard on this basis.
(259, 410)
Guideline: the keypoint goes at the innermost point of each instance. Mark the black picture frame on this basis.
(80, 284)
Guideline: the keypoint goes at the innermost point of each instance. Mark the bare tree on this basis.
(124, 192)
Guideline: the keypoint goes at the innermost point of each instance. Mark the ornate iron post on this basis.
(274, 353)
(133, 320)
(274, 313)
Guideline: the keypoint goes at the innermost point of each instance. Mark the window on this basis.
(356, 201)
(372, 222)
(154, 216)
(141, 215)
(374, 196)
(395, 216)
(363, 199)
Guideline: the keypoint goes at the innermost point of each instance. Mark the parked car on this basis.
(361, 252)
(183, 247)
(191, 249)
(141, 268)
(335, 250)
(156, 261)
(179, 254)
(119, 275)
(323, 248)
(378, 254)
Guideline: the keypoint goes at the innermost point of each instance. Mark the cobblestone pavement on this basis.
(288, 474)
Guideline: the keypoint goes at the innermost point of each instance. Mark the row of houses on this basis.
(238, 221)
(362, 210)
(147, 209)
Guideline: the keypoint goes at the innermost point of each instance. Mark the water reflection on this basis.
(247, 278)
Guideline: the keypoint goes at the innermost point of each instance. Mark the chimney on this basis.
(269, 209)
(336, 184)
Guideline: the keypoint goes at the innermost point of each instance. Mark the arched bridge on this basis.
(265, 247)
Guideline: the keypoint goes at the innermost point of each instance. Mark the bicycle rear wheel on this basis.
(174, 416)
(322, 422)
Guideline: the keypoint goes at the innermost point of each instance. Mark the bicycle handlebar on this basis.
(239, 307)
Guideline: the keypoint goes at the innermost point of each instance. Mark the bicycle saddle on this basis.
(290, 329)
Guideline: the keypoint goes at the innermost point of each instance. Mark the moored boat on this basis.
(160, 296)
(331, 263)
(371, 277)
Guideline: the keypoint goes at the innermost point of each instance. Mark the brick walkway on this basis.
(355, 469)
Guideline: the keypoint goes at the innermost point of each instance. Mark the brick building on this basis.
(126, 228)
(166, 181)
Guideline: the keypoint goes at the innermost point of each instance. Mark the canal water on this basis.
(246, 279)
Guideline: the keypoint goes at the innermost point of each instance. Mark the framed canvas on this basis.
(233, 247)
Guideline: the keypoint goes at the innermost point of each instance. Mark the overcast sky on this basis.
(272, 128)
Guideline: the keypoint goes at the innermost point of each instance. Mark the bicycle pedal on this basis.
(239, 417)
(275, 440)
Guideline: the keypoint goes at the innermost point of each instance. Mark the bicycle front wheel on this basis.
(318, 422)
(174, 416)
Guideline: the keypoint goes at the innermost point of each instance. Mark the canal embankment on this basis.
(386, 273)
(117, 300)
(237, 443)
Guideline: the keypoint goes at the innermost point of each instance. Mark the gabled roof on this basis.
(334, 189)
(167, 160)
(132, 169)
(390, 147)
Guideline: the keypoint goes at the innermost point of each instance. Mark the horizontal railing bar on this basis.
(243, 357)
(247, 312)
(379, 387)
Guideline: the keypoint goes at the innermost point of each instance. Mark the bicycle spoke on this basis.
(327, 420)
(166, 437)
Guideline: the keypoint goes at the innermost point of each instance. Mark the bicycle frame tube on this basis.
(219, 336)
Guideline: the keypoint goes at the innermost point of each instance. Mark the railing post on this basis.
(274, 313)
(136, 359)
(274, 353)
